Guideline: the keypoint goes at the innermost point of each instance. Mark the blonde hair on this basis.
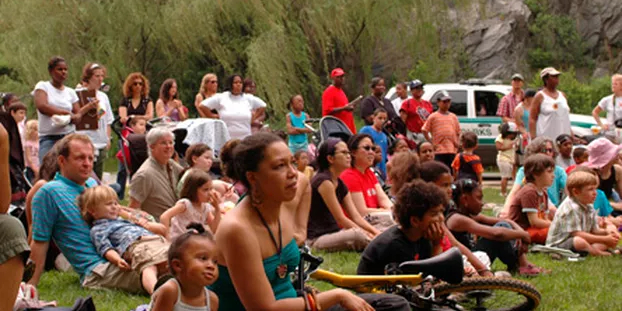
(92, 198)
(32, 127)
(206, 77)
(580, 178)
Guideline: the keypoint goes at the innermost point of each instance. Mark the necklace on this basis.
(281, 269)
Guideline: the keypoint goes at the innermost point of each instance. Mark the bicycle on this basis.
(417, 282)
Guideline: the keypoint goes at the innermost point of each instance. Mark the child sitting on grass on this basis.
(418, 235)
(580, 155)
(467, 165)
(603, 207)
(503, 239)
(529, 207)
(199, 203)
(192, 263)
(128, 245)
(575, 226)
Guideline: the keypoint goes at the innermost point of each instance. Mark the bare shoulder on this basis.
(166, 294)
(213, 301)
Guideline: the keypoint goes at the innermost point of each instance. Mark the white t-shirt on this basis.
(100, 137)
(397, 103)
(554, 118)
(62, 99)
(606, 104)
(235, 110)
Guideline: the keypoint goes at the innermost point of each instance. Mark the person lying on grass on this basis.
(503, 239)
(128, 245)
(575, 226)
(418, 235)
(529, 208)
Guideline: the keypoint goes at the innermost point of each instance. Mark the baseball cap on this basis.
(444, 96)
(337, 72)
(549, 71)
(415, 84)
(518, 76)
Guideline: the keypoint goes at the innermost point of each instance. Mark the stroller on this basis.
(329, 126)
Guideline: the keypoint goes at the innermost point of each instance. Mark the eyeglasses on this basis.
(368, 148)
(138, 83)
(548, 150)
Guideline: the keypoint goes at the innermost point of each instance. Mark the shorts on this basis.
(519, 159)
(568, 244)
(13, 239)
(505, 168)
(538, 235)
(147, 251)
(294, 147)
(108, 275)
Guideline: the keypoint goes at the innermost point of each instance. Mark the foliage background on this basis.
(287, 46)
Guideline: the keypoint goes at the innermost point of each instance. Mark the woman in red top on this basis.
(366, 192)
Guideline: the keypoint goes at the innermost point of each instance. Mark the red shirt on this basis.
(418, 112)
(334, 97)
(364, 183)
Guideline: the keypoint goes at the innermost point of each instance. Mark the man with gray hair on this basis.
(153, 186)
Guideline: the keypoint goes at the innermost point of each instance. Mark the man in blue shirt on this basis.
(55, 215)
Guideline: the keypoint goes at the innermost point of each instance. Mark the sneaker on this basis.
(502, 274)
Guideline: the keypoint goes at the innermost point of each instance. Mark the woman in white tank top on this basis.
(550, 113)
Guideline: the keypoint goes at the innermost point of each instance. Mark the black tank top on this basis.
(465, 238)
(466, 170)
(606, 185)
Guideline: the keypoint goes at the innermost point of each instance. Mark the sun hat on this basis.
(549, 71)
(601, 151)
(337, 72)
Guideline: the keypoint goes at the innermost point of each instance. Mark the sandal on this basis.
(532, 270)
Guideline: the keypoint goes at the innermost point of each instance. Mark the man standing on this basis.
(402, 95)
(55, 215)
(153, 186)
(510, 101)
(415, 111)
(335, 101)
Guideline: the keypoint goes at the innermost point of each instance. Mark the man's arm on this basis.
(38, 252)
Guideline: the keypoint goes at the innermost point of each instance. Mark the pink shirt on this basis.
(31, 149)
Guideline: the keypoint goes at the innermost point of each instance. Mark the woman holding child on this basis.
(329, 228)
(257, 243)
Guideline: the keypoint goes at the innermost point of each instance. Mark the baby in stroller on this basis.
(134, 130)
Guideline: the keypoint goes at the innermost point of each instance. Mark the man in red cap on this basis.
(335, 101)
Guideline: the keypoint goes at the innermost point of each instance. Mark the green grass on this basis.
(584, 285)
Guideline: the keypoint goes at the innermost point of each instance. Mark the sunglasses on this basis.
(138, 83)
(549, 150)
(212, 81)
(368, 148)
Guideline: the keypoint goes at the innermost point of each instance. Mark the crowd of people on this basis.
(406, 186)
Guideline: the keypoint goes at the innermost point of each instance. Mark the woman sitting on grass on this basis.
(329, 228)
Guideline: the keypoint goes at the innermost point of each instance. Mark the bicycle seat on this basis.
(447, 266)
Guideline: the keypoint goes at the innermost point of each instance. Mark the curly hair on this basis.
(415, 199)
(538, 145)
(226, 157)
(405, 168)
(129, 81)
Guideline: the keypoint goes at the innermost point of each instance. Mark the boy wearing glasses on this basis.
(529, 207)
(445, 130)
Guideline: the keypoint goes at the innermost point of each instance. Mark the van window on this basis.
(486, 103)
(458, 102)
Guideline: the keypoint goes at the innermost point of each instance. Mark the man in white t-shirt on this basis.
(613, 110)
(402, 95)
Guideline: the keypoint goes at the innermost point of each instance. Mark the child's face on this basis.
(380, 119)
(401, 146)
(511, 136)
(546, 178)
(473, 202)
(377, 154)
(443, 105)
(581, 159)
(140, 127)
(19, 115)
(426, 152)
(433, 215)
(298, 103)
(303, 160)
(585, 195)
(204, 192)
(106, 210)
(565, 148)
(444, 182)
(197, 263)
(204, 161)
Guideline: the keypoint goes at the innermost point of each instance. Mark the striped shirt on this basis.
(445, 130)
(571, 216)
(56, 216)
(117, 234)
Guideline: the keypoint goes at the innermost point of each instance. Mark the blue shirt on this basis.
(602, 205)
(554, 191)
(117, 234)
(56, 216)
(298, 122)
(380, 139)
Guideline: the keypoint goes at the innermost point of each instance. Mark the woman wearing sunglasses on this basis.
(209, 87)
(136, 101)
(367, 194)
(546, 146)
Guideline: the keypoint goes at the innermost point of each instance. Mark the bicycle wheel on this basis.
(489, 294)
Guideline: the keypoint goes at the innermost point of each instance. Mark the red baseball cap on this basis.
(337, 72)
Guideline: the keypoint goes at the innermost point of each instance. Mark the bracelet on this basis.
(311, 302)
(317, 302)
(306, 300)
